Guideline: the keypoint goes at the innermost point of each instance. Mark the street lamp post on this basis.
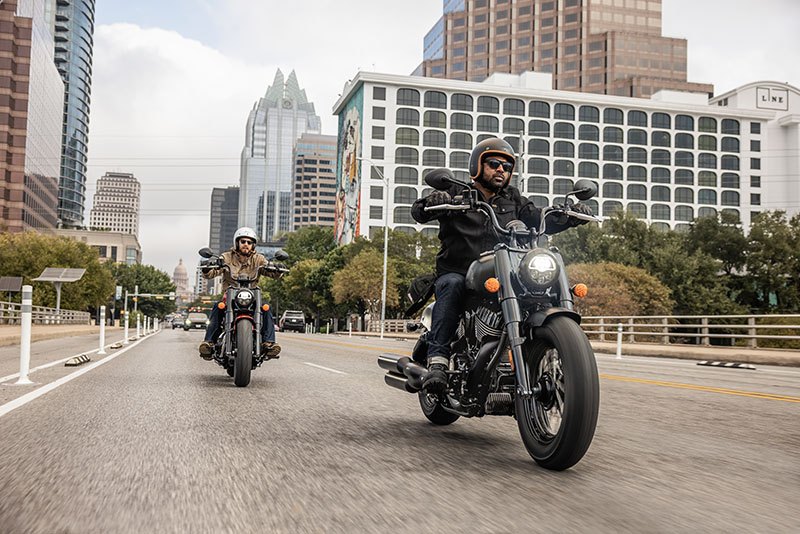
(385, 239)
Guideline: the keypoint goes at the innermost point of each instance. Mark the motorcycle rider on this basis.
(464, 235)
(242, 259)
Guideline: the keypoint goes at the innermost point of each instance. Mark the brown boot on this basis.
(270, 350)
(206, 349)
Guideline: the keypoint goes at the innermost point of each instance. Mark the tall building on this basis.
(668, 159)
(74, 36)
(275, 123)
(314, 185)
(224, 218)
(180, 277)
(117, 247)
(116, 203)
(610, 47)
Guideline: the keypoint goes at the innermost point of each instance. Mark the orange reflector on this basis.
(492, 285)
(265, 307)
(221, 305)
(511, 359)
(580, 290)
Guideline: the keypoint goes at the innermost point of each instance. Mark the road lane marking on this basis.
(35, 394)
(710, 389)
(51, 364)
(325, 368)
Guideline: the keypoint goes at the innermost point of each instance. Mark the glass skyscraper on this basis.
(74, 36)
(275, 123)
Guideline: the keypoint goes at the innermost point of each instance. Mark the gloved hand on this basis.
(437, 198)
(580, 208)
(272, 270)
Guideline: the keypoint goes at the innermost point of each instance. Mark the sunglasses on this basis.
(247, 242)
(495, 163)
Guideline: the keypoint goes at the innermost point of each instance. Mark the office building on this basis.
(275, 123)
(610, 47)
(667, 159)
(74, 43)
(118, 247)
(224, 218)
(314, 184)
(115, 207)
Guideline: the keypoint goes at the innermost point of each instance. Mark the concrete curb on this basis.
(77, 360)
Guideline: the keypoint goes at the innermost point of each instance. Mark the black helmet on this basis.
(488, 147)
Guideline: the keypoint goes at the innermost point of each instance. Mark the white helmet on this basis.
(244, 231)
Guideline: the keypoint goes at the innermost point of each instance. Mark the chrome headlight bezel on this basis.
(539, 269)
(244, 298)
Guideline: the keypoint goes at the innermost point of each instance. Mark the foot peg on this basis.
(499, 404)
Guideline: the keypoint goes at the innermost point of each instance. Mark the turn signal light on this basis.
(221, 305)
(265, 307)
(580, 290)
(492, 285)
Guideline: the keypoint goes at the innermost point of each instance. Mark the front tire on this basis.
(243, 363)
(558, 426)
(433, 410)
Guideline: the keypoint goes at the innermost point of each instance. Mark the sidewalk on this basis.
(783, 357)
(9, 334)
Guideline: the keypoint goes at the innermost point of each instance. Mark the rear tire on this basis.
(433, 410)
(558, 427)
(229, 370)
(243, 363)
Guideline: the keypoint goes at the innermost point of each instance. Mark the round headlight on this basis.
(244, 298)
(539, 269)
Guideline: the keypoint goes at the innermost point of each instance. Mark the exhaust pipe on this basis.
(403, 373)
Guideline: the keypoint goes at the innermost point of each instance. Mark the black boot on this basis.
(436, 379)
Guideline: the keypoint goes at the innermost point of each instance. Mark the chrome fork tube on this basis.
(513, 317)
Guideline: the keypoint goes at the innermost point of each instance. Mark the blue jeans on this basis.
(450, 289)
(213, 331)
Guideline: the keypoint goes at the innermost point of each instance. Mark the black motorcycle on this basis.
(519, 349)
(238, 349)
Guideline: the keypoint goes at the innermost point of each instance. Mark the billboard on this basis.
(348, 175)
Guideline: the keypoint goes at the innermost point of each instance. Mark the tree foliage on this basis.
(361, 281)
(616, 289)
(150, 280)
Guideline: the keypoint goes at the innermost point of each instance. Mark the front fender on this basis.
(541, 317)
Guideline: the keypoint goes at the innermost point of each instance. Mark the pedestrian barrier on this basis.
(11, 313)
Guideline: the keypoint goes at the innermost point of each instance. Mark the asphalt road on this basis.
(157, 440)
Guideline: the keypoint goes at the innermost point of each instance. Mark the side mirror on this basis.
(206, 252)
(584, 189)
(280, 255)
(442, 179)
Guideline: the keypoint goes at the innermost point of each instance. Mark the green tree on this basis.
(309, 242)
(773, 263)
(721, 238)
(616, 289)
(28, 254)
(150, 280)
(360, 281)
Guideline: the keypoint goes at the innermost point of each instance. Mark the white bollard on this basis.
(619, 341)
(138, 326)
(125, 341)
(102, 330)
(25, 336)
(349, 328)
(146, 325)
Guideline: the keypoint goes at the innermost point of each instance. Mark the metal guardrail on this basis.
(11, 313)
(775, 331)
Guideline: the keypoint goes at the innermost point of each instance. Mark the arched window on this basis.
(587, 169)
(538, 166)
(589, 114)
(405, 195)
(538, 184)
(730, 144)
(660, 193)
(612, 171)
(460, 121)
(659, 175)
(612, 190)
(588, 132)
(564, 112)
(684, 194)
(707, 124)
(563, 149)
(684, 213)
(707, 142)
(513, 141)
(562, 186)
(407, 117)
(539, 201)
(406, 136)
(433, 158)
(435, 119)
(706, 161)
(637, 173)
(406, 156)
(637, 118)
(684, 140)
(612, 134)
(612, 153)
(406, 175)
(684, 159)
(661, 120)
(730, 180)
(707, 196)
(659, 138)
(513, 106)
(461, 102)
(660, 212)
(538, 128)
(637, 209)
(562, 167)
(402, 215)
(637, 137)
(459, 160)
(434, 138)
(730, 163)
(637, 155)
(461, 140)
(488, 104)
(730, 126)
(684, 122)
(564, 130)
(707, 212)
(707, 179)
(730, 198)
(487, 123)
(637, 192)
(538, 108)
(588, 151)
(660, 157)
(435, 99)
(407, 97)
(610, 207)
(513, 126)
(539, 147)
(613, 116)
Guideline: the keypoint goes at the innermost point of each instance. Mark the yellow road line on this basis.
(677, 385)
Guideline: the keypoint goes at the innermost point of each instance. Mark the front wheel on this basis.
(557, 426)
(433, 410)
(243, 363)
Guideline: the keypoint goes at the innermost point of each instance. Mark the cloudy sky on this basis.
(174, 81)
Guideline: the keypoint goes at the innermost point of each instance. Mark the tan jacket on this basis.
(239, 264)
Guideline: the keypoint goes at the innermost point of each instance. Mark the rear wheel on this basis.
(433, 410)
(243, 363)
(557, 426)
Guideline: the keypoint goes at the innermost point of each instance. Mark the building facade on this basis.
(667, 159)
(224, 217)
(115, 207)
(74, 44)
(314, 184)
(119, 247)
(180, 277)
(275, 123)
(600, 46)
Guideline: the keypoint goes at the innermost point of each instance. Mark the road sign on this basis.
(118, 294)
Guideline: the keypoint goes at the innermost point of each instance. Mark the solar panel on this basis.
(11, 284)
(60, 274)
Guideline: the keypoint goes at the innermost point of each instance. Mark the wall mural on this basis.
(348, 177)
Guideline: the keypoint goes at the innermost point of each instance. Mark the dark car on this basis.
(292, 320)
(177, 322)
(195, 320)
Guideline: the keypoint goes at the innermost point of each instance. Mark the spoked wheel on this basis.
(243, 363)
(557, 424)
(433, 410)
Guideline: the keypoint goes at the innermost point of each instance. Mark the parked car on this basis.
(292, 320)
(177, 322)
(195, 320)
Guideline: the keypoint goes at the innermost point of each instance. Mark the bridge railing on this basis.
(766, 331)
(10, 313)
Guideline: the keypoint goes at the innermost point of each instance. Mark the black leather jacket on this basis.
(464, 235)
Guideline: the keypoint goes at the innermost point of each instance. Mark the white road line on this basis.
(51, 364)
(35, 394)
(325, 368)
